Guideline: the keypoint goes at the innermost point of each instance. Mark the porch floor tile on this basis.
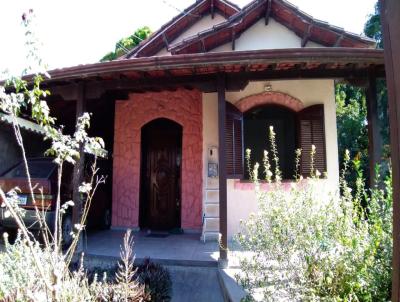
(185, 249)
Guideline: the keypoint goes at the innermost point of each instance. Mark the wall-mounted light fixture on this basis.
(267, 87)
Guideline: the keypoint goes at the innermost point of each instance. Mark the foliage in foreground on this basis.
(312, 243)
(21, 281)
(33, 270)
(154, 277)
(351, 110)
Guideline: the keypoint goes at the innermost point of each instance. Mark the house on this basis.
(179, 110)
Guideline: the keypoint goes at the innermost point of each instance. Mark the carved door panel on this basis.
(162, 175)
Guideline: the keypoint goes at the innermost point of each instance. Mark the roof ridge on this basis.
(288, 3)
(184, 13)
(230, 22)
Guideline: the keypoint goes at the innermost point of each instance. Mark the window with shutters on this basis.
(256, 125)
(312, 132)
(293, 130)
(234, 141)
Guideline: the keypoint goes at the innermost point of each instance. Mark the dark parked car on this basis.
(44, 177)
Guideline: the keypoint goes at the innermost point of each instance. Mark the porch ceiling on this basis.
(239, 67)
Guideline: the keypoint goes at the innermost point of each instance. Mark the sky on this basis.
(77, 32)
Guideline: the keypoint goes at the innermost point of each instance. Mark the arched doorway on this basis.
(160, 182)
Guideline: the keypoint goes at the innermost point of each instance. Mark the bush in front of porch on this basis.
(154, 277)
(310, 244)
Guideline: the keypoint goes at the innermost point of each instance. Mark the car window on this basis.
(37, 169)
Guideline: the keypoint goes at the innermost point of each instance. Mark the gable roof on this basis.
(175, 27)
(302, 24)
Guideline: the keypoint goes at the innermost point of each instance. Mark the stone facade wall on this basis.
(182, 106)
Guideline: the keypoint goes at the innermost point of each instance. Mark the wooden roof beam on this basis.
(272, 66)
(268, 11)
(307, 35)
(203, 46)
(233, 38)
(165, 39)
(339, 41)
(168, 73)
(212, 9)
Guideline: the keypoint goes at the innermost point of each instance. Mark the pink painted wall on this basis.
(182, 106)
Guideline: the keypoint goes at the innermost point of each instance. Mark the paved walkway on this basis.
(197, 284)
(183, 249)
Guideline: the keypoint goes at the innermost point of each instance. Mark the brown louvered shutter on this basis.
(312, 132)
(234, 141)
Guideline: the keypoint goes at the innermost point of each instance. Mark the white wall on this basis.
(204, 23)
(258, 36)
(310, 92)
(261, 36)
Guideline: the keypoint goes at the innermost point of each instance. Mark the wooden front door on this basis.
(160, 175)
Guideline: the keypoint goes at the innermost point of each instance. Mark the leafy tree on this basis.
(373, 30)
(127, 43)
(351, 112)
(351, 106)
(372, 27)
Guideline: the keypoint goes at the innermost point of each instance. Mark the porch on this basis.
(193, 264)
(163, 248)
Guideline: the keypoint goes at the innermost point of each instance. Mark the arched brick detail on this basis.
(269, 97)
(182, 106)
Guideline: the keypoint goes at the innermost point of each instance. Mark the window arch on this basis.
(270, 98)
(295, 126)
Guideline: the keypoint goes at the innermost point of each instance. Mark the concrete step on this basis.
(212, 196)
(211, 224)
(211, 210)
(231, 290)
(210, 236)
(102, 261)
(197, 284)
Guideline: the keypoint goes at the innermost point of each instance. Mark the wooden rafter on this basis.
(203, 46)
(339, 41)
(268, 11)
(165, 39)
(233, 38)
(307, 35)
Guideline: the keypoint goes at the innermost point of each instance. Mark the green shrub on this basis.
(156, 279)
(312, 242)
